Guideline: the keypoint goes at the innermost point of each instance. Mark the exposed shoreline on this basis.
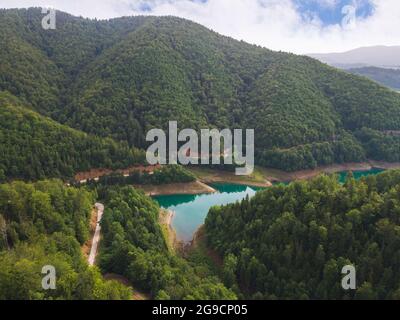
(261, 177)
(190, 188)
(300, 175)
(165, 221)
(335, 168)
(243, 183)
(213, 176)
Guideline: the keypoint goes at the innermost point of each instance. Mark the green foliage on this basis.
(21, 277)
(344, 149)
(304, 113)
(168, 174)
(163, 175)
(44, 224)
(33, 147)
(116, 79)
(44, 207)
(291, 242)
(133, 246)
(380, 145)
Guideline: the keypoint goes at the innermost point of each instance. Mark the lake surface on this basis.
(190, 211)
(359, 174)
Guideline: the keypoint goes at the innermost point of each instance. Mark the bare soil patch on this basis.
(190, 188)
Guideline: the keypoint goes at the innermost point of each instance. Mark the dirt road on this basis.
(96, 237)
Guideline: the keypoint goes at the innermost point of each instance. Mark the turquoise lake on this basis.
(359, 174)
(190, 211)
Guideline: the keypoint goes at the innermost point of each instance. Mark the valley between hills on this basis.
(75, 106)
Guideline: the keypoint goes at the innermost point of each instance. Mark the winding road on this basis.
(96, 237)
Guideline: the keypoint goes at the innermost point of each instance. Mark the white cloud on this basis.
(275, 24)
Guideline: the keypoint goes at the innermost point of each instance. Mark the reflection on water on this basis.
(359, 174)
(190, 211)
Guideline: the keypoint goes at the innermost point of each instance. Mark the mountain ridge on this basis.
(375, 56)
(121, 77)
(387, 77)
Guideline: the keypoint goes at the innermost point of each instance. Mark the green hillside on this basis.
(134, 246)
(34, 147)
(291, 242)
(120, 77)
(84, 95)
(45, 223)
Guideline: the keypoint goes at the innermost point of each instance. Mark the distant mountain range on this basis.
(378, 63)
(387, 77)
(377, 56)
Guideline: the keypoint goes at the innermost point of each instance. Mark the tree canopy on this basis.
(42, 224)
(119, 78)
(291, 242)
(33, 147)
(133, 246)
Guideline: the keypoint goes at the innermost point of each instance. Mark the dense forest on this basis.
(34, 147)
(379, 145)
(164, 175)
(46, 223)
(288, 242)
(134, 246)
(304, 113)
(84, 95)
(291, 242)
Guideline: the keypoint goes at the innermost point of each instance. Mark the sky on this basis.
(299, 26)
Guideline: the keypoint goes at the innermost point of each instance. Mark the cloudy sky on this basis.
(300, 26)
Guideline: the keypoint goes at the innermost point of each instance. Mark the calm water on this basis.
(359, 174)
(190, 211)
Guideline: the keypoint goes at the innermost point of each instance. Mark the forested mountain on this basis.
(33, 147)
(291, 242)
(134, 246)
(387, 77)
(45, 223)
(120, 77)
(84, 95)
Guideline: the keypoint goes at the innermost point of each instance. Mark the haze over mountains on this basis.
(379, 63)
(378, 56)
(387, 77)
(119, 78)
